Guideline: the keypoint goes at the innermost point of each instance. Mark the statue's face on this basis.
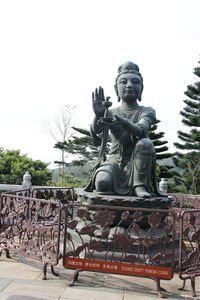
(129, 87)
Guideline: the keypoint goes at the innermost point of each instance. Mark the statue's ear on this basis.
(116, 91)
(140, 96)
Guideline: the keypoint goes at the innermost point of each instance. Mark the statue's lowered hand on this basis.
(129, 126)
(123, 121)
(109, 122)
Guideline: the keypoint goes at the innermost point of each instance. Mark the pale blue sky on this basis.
(56, 52)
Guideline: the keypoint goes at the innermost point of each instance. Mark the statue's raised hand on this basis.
(97, 102)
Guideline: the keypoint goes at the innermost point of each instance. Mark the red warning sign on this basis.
(118, 268)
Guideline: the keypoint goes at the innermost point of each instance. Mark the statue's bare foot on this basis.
(141, 192)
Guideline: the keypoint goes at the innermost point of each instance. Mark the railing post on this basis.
(27, 184)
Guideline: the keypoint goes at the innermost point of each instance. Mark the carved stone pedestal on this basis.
(124, 201)
(162, 202)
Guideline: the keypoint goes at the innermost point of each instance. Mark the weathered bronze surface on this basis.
(129, 167)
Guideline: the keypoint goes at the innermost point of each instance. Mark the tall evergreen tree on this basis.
(161, 148)
(164, 167)
(191, 117)
(190, 141)
(81, 146)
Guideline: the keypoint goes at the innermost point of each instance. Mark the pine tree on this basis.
(190, 141)
(191, 117)
(161, 148)
(85, 153)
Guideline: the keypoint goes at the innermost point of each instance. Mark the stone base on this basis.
(92, 198)
(89, 198)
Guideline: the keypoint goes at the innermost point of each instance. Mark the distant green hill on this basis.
(169, 162)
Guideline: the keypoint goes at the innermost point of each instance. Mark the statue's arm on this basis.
(142, 127)
(129, 126)
(146, 120)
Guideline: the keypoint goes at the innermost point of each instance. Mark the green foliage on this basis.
(190, 141)
(74, 176)
(191, 117)
(13, 165)
(190, 163)
(161, 148)
(85, 154)
(176, 185)
(81, 146)
(71, 181)
(186, 204)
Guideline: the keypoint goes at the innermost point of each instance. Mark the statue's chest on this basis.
(132, 115)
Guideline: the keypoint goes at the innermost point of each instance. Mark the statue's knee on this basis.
(103, 181)
(145, 146)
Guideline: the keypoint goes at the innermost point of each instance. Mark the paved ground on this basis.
(21, 279)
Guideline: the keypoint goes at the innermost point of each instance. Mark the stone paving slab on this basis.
(38, 289)
(91, 294)
(20, 266)
(20, 297)
(4, 282)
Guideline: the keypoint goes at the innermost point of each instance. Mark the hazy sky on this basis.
(54, 53)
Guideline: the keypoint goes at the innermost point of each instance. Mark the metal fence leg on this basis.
(193, 286)
(75, 277)
(44, 271)
(183, 285)
(53, 271)
(159, 288)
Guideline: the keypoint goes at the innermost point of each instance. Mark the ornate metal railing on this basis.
(122, 240)
(146, 242)
(64, 195)
(189, 247)
(31, 227)
(19, 192)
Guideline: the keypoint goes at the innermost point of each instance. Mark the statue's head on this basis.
(128, 68)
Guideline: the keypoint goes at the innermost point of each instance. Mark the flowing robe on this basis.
(120, 162)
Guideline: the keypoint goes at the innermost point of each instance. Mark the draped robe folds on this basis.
(120, 160)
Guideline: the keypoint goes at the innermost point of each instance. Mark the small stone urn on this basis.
(27, 184)
(163, 186)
